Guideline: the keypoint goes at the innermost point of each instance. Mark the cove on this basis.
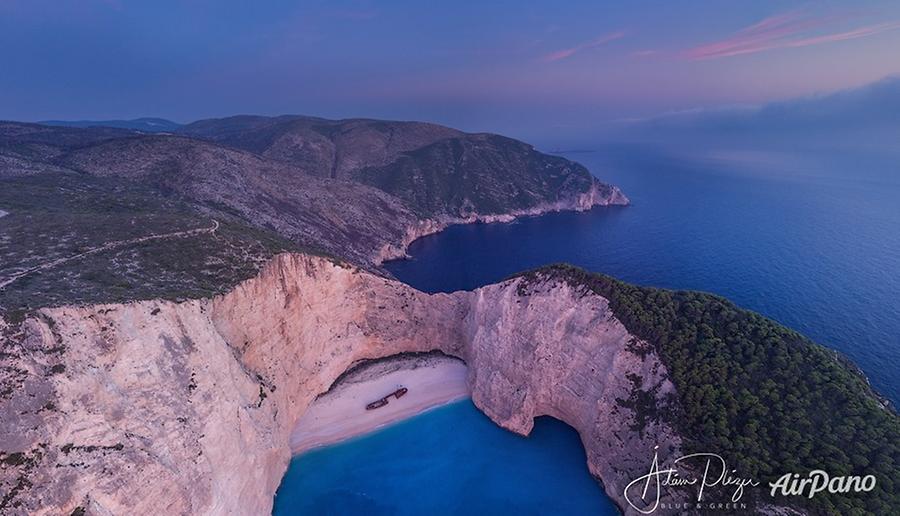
(808, 239)
(449, 460)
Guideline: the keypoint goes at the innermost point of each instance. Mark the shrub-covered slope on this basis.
(435, 170)
(484, 174)
(54, 217)
(761, 395)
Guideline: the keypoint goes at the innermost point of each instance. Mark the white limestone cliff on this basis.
(187, 408)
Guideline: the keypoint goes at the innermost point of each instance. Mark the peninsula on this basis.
(189, 407)
(176, 310)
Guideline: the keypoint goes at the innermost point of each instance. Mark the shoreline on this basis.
(340, 413)
(584, 202)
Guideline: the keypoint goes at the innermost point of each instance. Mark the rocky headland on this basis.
(188, 407)
(233, 273)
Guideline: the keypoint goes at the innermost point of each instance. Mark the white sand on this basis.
(341, 413)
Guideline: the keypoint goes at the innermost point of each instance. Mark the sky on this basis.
(527, 69)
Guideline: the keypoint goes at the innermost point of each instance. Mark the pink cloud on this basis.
(841, 36)
(788, 30)
(569, 52)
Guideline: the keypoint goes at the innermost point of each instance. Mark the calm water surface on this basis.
(812, 241)
(449, 461)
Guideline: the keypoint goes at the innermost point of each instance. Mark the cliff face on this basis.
(188, 408)
(361, 190)
(597, 194)
(549, 349)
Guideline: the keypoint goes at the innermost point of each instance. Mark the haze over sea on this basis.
(810, 240)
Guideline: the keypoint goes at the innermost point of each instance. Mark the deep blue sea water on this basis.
(449, 461)
(811, 240)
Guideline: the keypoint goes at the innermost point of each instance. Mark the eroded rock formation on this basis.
(158, 407)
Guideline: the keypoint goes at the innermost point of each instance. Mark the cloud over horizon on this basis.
(571, 51)
(787, 30)
(864, 116)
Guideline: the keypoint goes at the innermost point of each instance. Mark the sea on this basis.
(451, 460)
(809, 239)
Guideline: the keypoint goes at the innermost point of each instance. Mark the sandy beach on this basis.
(340, 414)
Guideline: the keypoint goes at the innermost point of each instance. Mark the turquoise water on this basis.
(451, 460)
(812, 241)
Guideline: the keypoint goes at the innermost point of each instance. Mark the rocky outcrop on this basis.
(549, 349)
(156, 407)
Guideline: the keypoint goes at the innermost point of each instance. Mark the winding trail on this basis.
(106, 247)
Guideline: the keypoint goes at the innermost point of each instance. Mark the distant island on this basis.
(172, 304)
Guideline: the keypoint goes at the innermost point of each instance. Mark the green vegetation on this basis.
(761, 395)
(54, 216)
(483, 174)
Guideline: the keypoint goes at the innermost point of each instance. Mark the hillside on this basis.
(55, 218)
(758, 393)
(339, 217)
(484, 174)
(144, 125)
(437, 171)
(325, 148)
(21, 142)
(68, 190)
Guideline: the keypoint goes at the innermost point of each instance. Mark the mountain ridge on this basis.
(302, 188)
(143, 124)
